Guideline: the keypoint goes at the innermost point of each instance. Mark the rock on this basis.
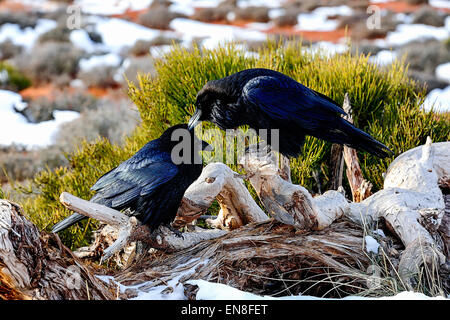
(428, 15)
(430, 81)
(426, 55)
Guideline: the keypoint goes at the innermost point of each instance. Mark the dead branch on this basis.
(361, 188)
(131, 230)
(38, 266)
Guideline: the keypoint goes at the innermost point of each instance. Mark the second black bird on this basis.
(267, 99)
(149, 183)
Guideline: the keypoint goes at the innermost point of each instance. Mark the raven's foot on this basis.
(177, 232)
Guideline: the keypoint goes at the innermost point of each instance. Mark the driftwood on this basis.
(361, 188)
(35, 265)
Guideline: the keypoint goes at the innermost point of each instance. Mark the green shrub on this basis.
(385, 104)
(12, 79)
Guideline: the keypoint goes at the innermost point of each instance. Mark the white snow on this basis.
(109, 59)
(14, 128)
(111, 7)
(81, 40)
(326, 48)
(439, 3)
(438, 100)
(372, 245)
(25, 37)
(217, 291)
(405, 33)
(259, 3)
(213, 34)
(117, 33)
(383, 58)
(318, 19)
(380, 233)
(443, 72)
(275, 13)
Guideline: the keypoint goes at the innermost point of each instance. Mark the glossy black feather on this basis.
(148, 183)
(266, 99)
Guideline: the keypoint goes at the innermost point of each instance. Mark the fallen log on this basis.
(35, 265)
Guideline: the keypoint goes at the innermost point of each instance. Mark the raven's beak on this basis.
(194, 119)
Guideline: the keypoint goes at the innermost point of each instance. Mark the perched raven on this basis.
(267, 99)
(148, 183)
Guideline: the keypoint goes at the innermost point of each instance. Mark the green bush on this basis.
(12, 79)
(385, 103)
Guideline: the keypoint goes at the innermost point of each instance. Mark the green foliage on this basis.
(12, 79)
(385, 103)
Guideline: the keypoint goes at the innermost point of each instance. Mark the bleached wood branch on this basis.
(411, 193)
(237, 207)
(131, 230)
(289, 203)
(411, 197)
(38, 266)
(361, 188)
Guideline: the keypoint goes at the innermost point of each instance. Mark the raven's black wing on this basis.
(138, 176)
(290, 103)
(287, 100)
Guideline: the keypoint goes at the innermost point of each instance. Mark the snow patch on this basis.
(107, 60)
(318, 19)
(110, 7)
(372, 245)
(439, 3)
(443, 72)
(14, 128)
(383, 58)
(410, 32)
(213, 34)
(217, 291)
(25, 37)
(117, 33)
(438, 100)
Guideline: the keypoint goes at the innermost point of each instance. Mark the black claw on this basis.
(177, 232)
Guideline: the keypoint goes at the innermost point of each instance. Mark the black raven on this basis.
(149, 183)
(267, 99)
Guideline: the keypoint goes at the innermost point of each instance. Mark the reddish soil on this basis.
(13, 6)
(49, 91)
(331, 36)
(130, 15)
(45, 91)
(399, 6)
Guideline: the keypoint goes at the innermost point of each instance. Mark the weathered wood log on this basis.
(36, 265)
(411, 196)
(289, 203)
(411, 191)
(361, 188)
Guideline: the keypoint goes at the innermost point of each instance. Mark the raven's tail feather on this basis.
(361, 140)
(67, 222)
(346, 133)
